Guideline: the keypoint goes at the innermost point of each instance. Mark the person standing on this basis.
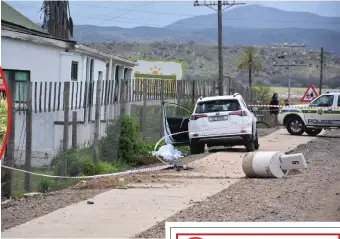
(286, 103)
(274, 110)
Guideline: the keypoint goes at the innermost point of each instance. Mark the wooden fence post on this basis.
(74, 130)
(162, 104)
(96, 122)
(6, 181)
(66, 125)
(143, 125)
(28, 154)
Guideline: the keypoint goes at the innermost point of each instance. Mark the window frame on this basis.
(74, 74)
(339, 100)
(317, 99)
(199, 110)
(11, 76)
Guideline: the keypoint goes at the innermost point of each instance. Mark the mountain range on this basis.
(248, 25)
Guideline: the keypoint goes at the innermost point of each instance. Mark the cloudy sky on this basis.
(156, 13)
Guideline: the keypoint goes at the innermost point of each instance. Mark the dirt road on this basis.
(313, 195)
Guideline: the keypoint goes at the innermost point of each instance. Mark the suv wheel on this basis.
(250, 146)
(256, 142)
(313, 132)
(295, 126)
(195, 147)
(250, 143)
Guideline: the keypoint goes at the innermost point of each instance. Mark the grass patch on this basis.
(18, 182)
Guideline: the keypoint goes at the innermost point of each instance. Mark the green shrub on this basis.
(80, 162)
(108, 144)
(131, 148)
(44, 186)
(75, 161)
(104, 168)
(89, 168)
(263, 94)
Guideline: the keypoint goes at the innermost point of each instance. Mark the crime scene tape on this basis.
(142, 170)
(296, 106)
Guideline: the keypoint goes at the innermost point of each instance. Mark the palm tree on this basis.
(249, 61)
(57, 19)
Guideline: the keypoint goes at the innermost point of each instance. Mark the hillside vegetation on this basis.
(200, 61)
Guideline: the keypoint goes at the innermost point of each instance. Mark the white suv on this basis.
(215, 121)
(222, 121)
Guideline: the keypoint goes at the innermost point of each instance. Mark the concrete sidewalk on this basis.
(124, 213)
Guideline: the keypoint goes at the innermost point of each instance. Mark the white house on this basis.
(29, 53)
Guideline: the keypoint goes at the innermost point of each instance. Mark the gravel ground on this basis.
(310, 195)
(23, 210)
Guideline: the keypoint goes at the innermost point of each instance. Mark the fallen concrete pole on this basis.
(271, 164)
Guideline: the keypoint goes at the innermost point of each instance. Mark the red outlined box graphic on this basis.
(257, 235)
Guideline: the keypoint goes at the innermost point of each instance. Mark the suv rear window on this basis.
(217, 106)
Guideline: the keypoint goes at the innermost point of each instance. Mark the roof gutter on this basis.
(108, 57)
(37, 39)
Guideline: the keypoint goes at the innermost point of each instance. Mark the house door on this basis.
(175, 121)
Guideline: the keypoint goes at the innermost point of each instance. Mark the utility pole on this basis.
(211, 5)
(288, 64)
(321, 70)
(220, 48)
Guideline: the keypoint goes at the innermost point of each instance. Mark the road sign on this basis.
(310, 94)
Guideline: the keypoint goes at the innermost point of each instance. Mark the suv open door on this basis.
(175, 124)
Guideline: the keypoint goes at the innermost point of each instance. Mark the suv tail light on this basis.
(239, 113)
(197, 116)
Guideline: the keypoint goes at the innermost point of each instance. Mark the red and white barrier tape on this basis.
(142, 170)
(295, 106)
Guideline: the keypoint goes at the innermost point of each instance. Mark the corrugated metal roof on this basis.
(12, 16)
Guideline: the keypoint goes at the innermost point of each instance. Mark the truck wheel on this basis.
(313, 132)
(295, 126)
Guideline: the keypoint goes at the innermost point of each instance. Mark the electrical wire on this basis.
(115, 17)
(137, 9)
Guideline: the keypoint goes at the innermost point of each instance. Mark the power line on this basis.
(191, 15)
(289, 63)
(127, 11)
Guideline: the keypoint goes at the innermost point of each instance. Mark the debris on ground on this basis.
(168, 153)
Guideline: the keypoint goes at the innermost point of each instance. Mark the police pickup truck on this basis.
(322, 113)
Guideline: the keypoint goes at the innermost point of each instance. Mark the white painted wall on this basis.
(52, 64)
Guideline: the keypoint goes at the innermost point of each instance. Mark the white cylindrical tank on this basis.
(263, 165)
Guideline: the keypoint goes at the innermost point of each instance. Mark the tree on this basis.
(250, 61)
(57, 19)
(263, 94)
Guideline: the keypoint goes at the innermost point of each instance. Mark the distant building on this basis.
(171, 70)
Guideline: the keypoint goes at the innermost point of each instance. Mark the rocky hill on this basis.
(200, 61)
(248, 25)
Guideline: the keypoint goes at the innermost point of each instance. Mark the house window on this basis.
(21, 78)
(74, 70)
